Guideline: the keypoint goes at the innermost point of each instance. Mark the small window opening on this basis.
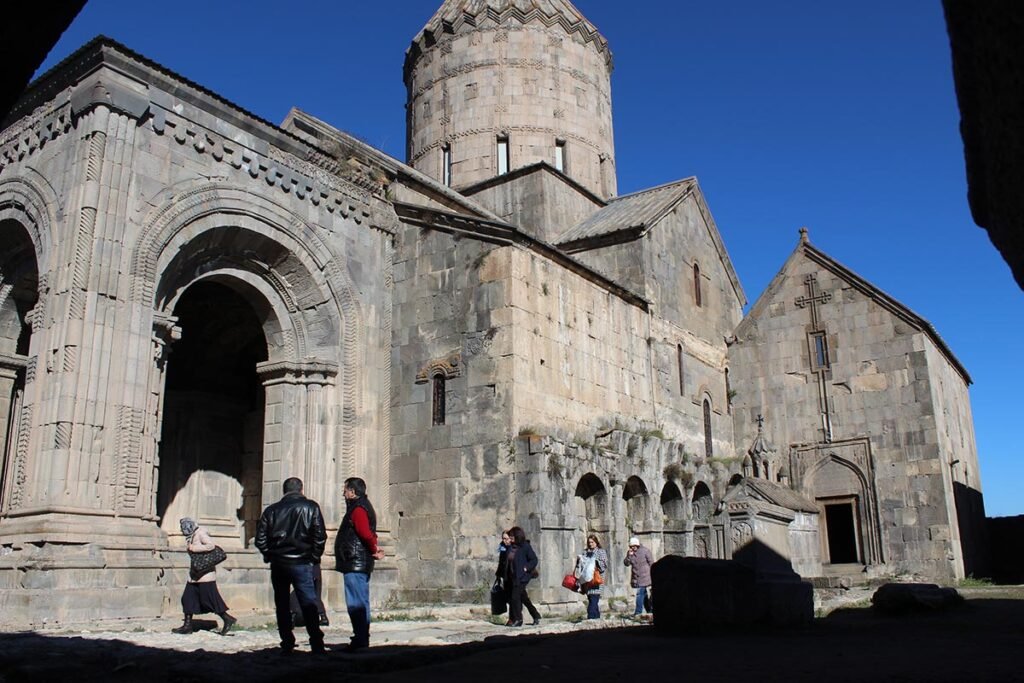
(708, 452)
(503, 158)
(679, 364)
(446, 165)
(439, 399)
(560, 155)
(697, 298)
(819, 351)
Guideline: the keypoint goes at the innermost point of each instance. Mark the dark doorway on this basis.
(841, 530)
(212, 438)
(19, 292)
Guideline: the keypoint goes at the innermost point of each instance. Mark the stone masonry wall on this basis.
(879, 387)
(528, 82)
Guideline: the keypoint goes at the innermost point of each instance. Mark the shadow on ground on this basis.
(979, 641)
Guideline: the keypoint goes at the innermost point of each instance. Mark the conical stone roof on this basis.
(457, 16)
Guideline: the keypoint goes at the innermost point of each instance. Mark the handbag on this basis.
(594, 582)
(570, 582)
(205, 562)
(499, 599)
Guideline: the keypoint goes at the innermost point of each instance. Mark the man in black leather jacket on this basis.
(291, 535)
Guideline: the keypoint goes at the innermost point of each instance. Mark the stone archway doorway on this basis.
(211, 447)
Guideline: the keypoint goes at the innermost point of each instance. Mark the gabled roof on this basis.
(629, 212)
(456, 16)
(804, 249)
(770, 492)
(631, 216)
(536, 167)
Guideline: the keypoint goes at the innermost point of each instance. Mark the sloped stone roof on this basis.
(769, 492)
(458, 16)
(638, 210)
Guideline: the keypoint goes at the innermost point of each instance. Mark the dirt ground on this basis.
(980, 641)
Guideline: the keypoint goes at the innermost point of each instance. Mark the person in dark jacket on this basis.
(356, 549)
(520, 563)
(291, 536)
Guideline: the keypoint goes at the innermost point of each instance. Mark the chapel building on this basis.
(196, 304)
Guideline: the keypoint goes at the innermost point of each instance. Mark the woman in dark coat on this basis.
(520, 563)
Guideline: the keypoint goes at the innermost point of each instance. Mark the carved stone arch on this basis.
(809, 475)
(277, 323)
(205, 211)
(37, 208)
(190, 210)
(635, 486)
(854, 460)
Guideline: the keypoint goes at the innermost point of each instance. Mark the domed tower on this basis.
(495, 85)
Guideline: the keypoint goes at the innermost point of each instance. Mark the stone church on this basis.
(196, 304)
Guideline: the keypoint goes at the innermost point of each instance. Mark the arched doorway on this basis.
(211, 448)
(19, 292)
(841, 495)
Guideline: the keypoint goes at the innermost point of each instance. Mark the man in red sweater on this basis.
(355, 550)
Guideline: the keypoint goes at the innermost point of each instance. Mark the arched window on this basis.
(696, 286)
(679, 363)
(707, 429)
(439, 398)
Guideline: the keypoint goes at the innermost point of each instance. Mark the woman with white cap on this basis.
(639, 561)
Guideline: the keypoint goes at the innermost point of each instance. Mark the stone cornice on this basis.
(15, 361)
(454, 18)
(104, 72)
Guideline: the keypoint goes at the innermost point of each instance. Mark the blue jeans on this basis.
(641, 600)
(284, 577)
(357, 601)
(594, 606)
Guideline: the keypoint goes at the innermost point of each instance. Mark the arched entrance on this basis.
(19, 292)
(211, 448)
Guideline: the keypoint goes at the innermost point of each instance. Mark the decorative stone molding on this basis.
(32, 133)
(165, 333)
(318, 372)
(854, 454)
(448, 367)
(472, 17)
(349, 197)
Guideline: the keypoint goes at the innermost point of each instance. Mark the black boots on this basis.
(186, 626)
(228, 620)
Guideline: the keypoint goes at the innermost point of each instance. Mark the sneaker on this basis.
(324, 621)
(356, 646)
(536, 621)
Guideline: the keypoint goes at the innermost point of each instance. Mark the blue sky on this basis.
(838, 116)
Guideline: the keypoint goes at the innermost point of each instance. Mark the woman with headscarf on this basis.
(201, 595)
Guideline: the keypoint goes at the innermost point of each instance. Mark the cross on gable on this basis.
(813, 297)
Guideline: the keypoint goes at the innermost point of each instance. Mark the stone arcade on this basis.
(196, 304)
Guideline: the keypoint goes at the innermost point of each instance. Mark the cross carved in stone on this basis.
(813, 298)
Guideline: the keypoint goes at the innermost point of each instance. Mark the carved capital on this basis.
(310, 371)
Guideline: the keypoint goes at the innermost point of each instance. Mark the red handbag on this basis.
(569, 582)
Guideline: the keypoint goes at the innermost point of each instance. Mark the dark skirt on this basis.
(202, 598)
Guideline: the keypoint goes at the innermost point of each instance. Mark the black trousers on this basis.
(517, 597)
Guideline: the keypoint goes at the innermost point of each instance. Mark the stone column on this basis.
(298, 431)
(66, 468)
(11, 396)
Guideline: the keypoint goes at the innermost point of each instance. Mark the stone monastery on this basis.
(196, 304)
